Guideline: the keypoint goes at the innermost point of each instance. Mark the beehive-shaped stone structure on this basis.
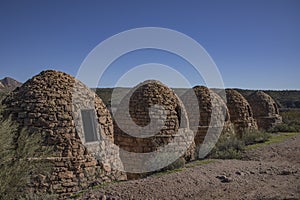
(240, 112)
(75, 124)
(151, 118)
(203, 119)
(265, 110)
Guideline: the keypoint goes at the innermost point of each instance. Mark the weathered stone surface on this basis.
(50, 105)
(148, 118)
(212, 114)
(265, 110)
(240, 112)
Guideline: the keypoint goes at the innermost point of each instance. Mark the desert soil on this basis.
(268, 172)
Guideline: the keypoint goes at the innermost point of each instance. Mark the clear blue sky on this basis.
(255, 44)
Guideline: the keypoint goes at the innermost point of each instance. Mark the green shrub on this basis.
(231, 147)
(227, 147)
(15, 163)
(255, 136)
(285, 128)
(291, 122)
(291, 117)
(227, 154)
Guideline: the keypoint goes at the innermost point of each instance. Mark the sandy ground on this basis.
(269, 172)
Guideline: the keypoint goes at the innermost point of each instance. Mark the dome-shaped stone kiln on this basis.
(148, 119)
(240, 112)
(75, 123)
(265, 110)
(212, 114)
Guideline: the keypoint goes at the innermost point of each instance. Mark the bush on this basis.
(231, 147)
(227, 147)
(291, 117)
(15, 163)
(227, 154)
(291, 122)
(255, 136)
(284, 128)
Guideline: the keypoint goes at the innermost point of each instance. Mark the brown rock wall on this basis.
(49, 105)
(265, 110)
(240, 112)
(136, 132)
(211, 114)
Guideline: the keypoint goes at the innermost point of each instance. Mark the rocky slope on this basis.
(9, 84)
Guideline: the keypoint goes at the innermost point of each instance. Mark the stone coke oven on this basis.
(81, 156)
(240, 112)
(148, 118)
(202, 119)
(265, 110)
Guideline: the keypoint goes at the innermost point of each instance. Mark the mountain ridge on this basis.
(286, 99)
(9, 84)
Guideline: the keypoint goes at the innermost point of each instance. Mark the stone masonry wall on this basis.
(240, 112)
(150, 118)
(135, 132)
(43, 105)
(202, 119)
(265, 110)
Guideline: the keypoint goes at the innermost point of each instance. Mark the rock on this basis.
(107, 167)
(225, 179)
(285, 172)
(263, 171)
(92, 196)
(240, 173)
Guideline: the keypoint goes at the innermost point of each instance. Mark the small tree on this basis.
(16, 164)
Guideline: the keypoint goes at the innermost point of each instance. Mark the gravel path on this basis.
(270, 172)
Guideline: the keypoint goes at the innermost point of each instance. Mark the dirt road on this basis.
(269, 172)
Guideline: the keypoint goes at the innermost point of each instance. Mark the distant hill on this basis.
(286, 99)
(9, 84)
(107, 96)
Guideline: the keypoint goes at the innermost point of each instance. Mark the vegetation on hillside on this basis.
(291, 122)
(16, 164)
(286, 99)
(232, 146)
